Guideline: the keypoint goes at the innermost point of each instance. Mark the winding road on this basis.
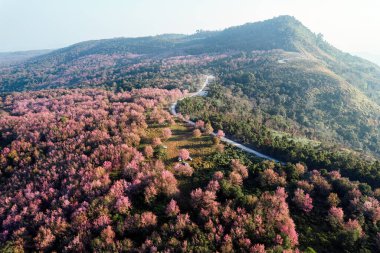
(201, 92)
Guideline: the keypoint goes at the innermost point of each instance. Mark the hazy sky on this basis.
(351, 25)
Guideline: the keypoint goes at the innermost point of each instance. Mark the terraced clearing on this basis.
(199, 148)
(182, 138)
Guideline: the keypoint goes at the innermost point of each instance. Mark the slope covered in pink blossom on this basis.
(79, 173)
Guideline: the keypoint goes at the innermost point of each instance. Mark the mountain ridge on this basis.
(283, 32)
(290, 61)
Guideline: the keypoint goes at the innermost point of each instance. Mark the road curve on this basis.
(201, 92)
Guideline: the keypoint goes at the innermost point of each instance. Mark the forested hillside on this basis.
(90, 170)
(307, 85)
(283, 32)
(13, 58)
(91, 160)
(302, 97)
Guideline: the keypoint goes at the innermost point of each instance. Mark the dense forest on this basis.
(228, 112)
(80, 173)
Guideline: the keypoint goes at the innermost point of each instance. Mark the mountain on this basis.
(11, 58)
(301, 81)
(283, 32)
(91, 160)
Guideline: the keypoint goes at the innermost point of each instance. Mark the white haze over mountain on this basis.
(350, 25)
(375, 58)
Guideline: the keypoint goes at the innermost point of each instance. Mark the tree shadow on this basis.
(195, 146)
(176, 138)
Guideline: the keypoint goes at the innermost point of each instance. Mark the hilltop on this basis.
(284, 32)
(12, 58)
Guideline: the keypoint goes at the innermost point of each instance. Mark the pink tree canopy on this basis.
(220, 134)
(184, 154)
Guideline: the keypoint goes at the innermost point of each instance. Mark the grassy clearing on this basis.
(182, 137)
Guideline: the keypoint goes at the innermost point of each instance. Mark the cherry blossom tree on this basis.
(335, 174)
(303, 201)
(102, 221)
(147, 219)
(277, 217)
(108, 235)
(183, 169)
(166, 183)
(336, 215)
(123, 205)
(148, 151)
(239, 168)
(271, 178)
(258, 248)
(150, 193)
(220, 134)
(204, 200)
(172, 208)
(213, 186)
(44, 238)
(300, 169)
(197, 133)
(236, 178)
(200, 124)
(304, 185)
(218, 175)
(184, 154)
(166, 133)
(156, 142)
(353, 226)
(320, 183)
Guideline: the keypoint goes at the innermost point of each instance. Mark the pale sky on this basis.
(350, 25)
